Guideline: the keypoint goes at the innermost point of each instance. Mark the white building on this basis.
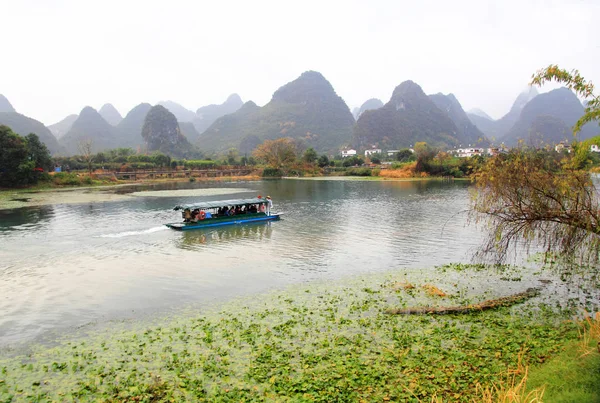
(594, 148)
(372, 151)
(392, 152)
(348, 153)
(467, 152)
(562, 146)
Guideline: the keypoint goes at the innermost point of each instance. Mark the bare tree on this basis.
(85, 147)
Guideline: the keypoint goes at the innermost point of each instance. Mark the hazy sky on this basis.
(59, 56)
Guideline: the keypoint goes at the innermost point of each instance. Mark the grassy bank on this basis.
(311, 343)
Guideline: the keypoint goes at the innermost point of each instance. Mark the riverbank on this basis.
(316, 342)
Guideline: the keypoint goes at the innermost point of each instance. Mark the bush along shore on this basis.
(323, 342)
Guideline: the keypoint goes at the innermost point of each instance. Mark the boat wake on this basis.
(131, 233)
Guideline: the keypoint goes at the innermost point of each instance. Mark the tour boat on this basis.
(223, 212)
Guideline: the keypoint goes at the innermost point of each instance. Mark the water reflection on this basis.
(19, 219)
(224, 235)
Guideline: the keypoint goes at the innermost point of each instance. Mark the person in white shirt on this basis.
(269, 205)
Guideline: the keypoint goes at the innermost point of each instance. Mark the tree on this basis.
(310, 155)
(14, 163)
(38, 152)
(323, 161)
(232, 156)
(85, 147)
(278, 153)
(405, 155)
(537, 197)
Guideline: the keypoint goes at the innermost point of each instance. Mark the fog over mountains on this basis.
(308, 110)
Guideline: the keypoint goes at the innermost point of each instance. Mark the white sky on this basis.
(60, 55)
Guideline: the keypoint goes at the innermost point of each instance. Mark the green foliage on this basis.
(352, 161)
(66, 179)
(329, 343)
(19, 158)
(323, 161)
(538, 197)
(38, 152)
(310, 155)
(359, 172)
(272, 173)
(405, 155)
(199, 164)
(232, 157)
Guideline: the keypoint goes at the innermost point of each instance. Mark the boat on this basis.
(224, 212)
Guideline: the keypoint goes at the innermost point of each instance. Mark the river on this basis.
(63, 266)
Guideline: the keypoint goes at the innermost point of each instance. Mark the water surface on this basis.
(64, 266)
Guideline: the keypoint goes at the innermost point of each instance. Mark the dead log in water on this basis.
(483, 306)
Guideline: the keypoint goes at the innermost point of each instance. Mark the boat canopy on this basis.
(220, 203)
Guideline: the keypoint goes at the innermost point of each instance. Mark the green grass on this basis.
(569, 377)
(320, 342)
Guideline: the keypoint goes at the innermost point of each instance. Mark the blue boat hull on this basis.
(208, 223)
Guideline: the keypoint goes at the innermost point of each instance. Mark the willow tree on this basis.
(536, 197)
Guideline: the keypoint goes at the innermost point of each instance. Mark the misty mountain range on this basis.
(309, 110)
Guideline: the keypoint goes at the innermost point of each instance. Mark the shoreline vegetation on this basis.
(324, 342)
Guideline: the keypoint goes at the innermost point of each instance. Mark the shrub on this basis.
(199, 164)
(65, 179)
(358, 172)
(272, 172)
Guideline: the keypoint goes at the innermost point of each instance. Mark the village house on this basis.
(372, 151)
(348, 153)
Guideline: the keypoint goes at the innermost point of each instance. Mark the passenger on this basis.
(187, 215)
(253, 209)
(195, 215)
(226, 211)
(208, 214)
(238, 210)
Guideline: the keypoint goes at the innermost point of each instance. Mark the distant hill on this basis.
(129, 130)
(306, 109)
(206, 115)
(189, 131)
(495, 130)
(61, 128)
(480, 113)
(181, 113)
(561, 105)
(369, 104)
(410, 116)
(5, 105)
(23, 125)
(110, 114)
(161, 132)
(467, 132)
(89, 125)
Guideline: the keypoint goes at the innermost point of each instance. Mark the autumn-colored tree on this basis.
(538, 197)
(279, 153)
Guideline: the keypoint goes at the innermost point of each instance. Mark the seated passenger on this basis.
(253, 209)
(195, 215)
(187, 215)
